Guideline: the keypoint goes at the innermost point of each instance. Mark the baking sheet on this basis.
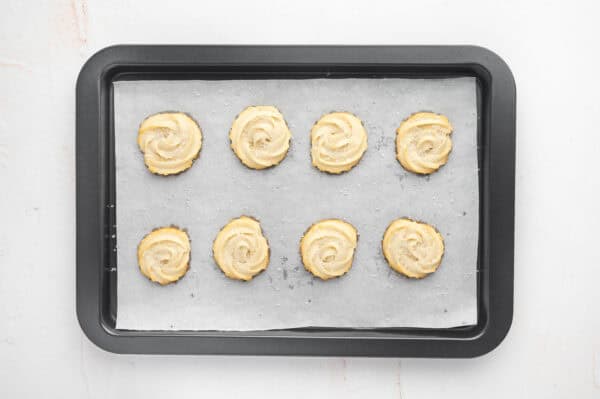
(288, 198)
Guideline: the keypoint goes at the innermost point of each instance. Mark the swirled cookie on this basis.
(423, 142)
(412, 248)
(339, 141)
(327, 248)
(164, 255)
(240, 249)
(260, 137)
(170, 141)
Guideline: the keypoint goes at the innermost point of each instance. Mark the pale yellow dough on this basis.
(423, 142)
(240, 249)
(170, 142)
(164, 255)
(327, 248)
(260, 137)
(339, 141)
(412, 248)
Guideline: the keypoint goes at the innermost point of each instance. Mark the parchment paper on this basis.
(288, 198)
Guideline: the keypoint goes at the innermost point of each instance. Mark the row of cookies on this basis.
(260, 138)
(327, 248)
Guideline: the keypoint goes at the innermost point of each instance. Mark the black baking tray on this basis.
(97, 228)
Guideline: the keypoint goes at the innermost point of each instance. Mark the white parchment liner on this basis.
(287, 199)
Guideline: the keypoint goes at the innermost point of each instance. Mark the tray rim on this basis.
(496, 263)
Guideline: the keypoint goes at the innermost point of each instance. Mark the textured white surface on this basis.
(553, 348)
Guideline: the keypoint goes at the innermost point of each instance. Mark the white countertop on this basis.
(553, 348)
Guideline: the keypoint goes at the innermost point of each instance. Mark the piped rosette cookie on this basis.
(412, 248)
(164, 255)
(170, 142)
(260, 137)
(327, 248)
(240, 249)
(338, 142)
(423, 142)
